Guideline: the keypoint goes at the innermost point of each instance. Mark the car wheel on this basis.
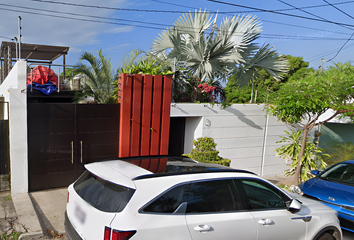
(326, 236)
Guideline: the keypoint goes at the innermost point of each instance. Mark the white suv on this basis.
(178, 198)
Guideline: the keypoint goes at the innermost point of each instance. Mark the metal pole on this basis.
(31, 79)
(19, 37)
(264, 144)
(58, 79)
(16, 48)
(265, 139)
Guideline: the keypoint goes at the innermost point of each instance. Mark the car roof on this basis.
(348, 161)
(137, 168)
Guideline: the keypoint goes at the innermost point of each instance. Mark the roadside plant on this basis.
(290, 151)
(339, 152)
(305, 100)
(205, 151)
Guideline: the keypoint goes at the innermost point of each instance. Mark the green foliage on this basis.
(145, 67)
(290, 151)
(12, 236)
(133, 64)
(7, 198)
(99, 78)
(312, 95)
(237, 93)
(204, 151)
(339, 152)
(69, 73)
(210, 51)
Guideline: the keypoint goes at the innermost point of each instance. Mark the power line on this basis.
(80, 19)
(125, 9)
(326, 53)
(84, 15)
(275, 12)
(311, 13)
(293, 8)
(278, 10)
(82, 5)
(6, 37)
(338, 9)
(272, 36)
(292, 25)
(172, 11)
(348, 38)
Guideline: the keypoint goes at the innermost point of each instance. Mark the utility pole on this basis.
(321, 67)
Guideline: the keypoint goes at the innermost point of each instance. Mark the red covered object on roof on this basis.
(42, 75)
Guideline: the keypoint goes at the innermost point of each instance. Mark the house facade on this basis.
(243, 133)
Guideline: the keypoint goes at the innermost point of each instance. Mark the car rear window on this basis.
(103, 195)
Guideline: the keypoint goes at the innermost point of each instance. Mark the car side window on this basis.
(261, 195)
(213, 196)
(169, 201)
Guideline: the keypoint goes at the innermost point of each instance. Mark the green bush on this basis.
(338, 152)
(204, 151)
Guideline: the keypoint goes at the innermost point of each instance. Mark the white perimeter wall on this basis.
(239, 133)
(13, 89)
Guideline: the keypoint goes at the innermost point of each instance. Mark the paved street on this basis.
(52, 220)
(348, 235)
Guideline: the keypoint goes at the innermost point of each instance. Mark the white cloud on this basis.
(121, 29)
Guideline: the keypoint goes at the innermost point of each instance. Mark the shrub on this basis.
(204, 151)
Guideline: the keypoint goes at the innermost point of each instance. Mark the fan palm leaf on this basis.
(267, 58)
(98, 76)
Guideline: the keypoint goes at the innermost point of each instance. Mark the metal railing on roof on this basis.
(75, 83)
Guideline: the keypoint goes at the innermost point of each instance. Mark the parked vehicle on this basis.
(335, 188)
(179, 198)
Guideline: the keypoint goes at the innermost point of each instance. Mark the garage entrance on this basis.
(62, 137)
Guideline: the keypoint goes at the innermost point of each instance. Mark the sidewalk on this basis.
(39, 215)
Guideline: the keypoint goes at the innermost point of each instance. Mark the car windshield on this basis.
(342, 173)
(104, 196)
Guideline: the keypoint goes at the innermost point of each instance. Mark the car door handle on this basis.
(266, 222)
(202, 228)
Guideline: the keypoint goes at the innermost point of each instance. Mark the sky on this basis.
(314, 30)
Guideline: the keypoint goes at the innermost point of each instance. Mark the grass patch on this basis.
(6, 178)
(12, 236)
(7, 198)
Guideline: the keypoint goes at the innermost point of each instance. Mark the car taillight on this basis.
(122, 235)
(67, 200)
(107, 233)
(117, 235)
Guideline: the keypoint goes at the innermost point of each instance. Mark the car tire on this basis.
(326, 236)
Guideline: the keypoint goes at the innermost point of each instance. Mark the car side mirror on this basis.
(294, 206)
(315, 172)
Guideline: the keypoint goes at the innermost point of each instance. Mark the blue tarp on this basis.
(47, 88)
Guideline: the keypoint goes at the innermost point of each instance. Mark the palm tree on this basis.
(215, 52)
(98, 77)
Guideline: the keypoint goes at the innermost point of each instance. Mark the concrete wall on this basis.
(13, 90)
(333, 133)
(239, 133)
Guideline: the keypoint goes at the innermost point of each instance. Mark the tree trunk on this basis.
(297, 175)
